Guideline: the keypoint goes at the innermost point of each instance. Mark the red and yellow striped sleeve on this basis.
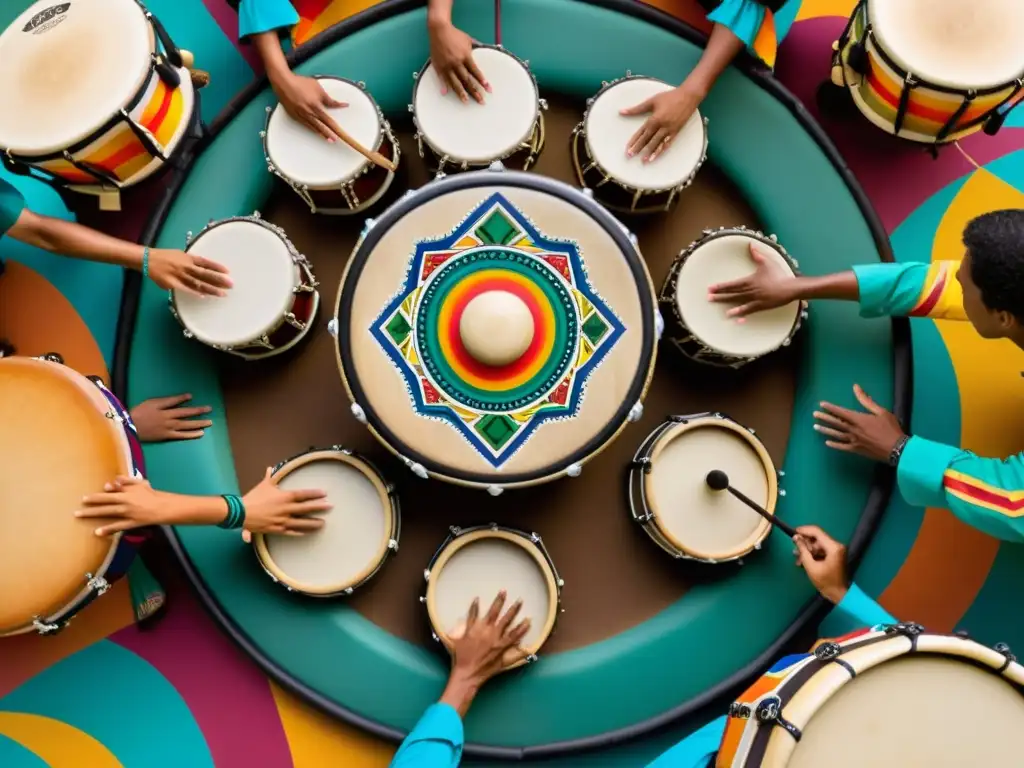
(914, 289)
(941, 295)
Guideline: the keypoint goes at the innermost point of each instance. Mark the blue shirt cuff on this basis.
(919, 474)
(258, 16)
(435, 742)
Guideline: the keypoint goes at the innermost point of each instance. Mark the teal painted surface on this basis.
(89, 689)
(716, 629)
(13, 755)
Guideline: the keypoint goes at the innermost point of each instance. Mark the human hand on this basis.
(305, 99)
(451, 53)
(873, 434)
(180, 271)
(159, 419)
(767, 287)
(824, 560)
(128, 502)
(483, 647)
(669, 112)
(271, 509)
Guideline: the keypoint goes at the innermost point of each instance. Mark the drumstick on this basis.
(374, 157)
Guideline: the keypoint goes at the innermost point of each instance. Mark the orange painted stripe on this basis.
(920, 105)
(766, 43)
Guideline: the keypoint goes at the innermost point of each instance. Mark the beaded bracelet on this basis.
(897, 451)
(145, 261)
(236, 513)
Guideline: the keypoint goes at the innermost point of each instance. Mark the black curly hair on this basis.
(995, 242)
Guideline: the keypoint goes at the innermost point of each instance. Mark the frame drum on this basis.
(628, 184)
(66, 440)
(361, 530)
(477, 563)
(273, 302)
(699, 328)
(670, 499)
(891, 695)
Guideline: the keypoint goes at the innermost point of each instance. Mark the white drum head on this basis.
(472, 132)
(306, 157)
(261, 268)
(354, 539)
(70, 72)
(706, 523)
(976, 44)
(608, 133)
(481, 568)
(720, 260)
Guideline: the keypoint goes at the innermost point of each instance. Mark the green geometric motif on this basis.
(594, 328)
(496, 429)
(497, 229)
(398, 328)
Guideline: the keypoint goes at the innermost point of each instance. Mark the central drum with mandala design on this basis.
(496, 329)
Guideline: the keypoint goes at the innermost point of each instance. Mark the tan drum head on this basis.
(66, 68)
(478, 565)
(702, 523)
(356, 538)
(963, 45)
(60, 447)
(443, 397)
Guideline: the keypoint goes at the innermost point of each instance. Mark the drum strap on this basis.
(909, 83)
(954, 119)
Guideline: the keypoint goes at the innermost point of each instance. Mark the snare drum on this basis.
(670, 499)
(94, 93)
(476, 564)
(628, 184)
(360, 533)
(508, 126)
(331, 177)
(67, 437)
(891, 695)
(273, 302)
(700, 328)
(934, 71)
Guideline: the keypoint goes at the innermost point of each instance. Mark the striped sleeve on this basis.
(914, 289)
(987, 494)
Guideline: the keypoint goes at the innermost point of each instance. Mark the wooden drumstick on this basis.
(374, 157)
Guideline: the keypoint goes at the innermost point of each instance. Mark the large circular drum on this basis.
(670, 498)
(331, 177)
(361, 529)
(496, 329)
(891, 695)
(477, 564)
(699, 328)
(508, 126)
(65, 438)
(628, 184)
(933, 71)
(94, 93)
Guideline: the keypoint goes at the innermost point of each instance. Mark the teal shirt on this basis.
(256, 16)
(437, 739)
(11, 205)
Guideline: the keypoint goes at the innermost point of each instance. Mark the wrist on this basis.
(460, 691)
(896, 452)
(834, 594)
(438, 19)
(195, 510)
(697, 85)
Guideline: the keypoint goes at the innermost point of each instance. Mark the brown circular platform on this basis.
(615, 577)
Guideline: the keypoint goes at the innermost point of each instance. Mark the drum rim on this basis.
(70, 602)
(763, 529)
(371, 473)
(538, 115)
(361, 253)
(464, 538)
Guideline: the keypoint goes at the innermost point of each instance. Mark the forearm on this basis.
(268, 46)
(723, 46)
(459, 693)
(71, 239)
(193, 510)
(841, 285)
(439, 12)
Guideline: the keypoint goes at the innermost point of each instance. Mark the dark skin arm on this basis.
(451, 52)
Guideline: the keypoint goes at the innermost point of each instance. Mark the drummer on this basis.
(159, 419)
(985, 288)
(738, 24)
(265, 23)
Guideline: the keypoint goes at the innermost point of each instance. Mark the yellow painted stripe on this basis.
(57, 744)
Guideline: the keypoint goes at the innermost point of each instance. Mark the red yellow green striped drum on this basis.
(934, 71)
(496, 329)
(891, 695)
(94, 93)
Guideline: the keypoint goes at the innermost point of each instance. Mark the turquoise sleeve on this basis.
(11, 205)
(256, 16)
(435, 742)
(742, 17)
(856, 611)
(695, 751)
(891, 290)
(987, 494)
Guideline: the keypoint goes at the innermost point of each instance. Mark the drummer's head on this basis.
(992, 274)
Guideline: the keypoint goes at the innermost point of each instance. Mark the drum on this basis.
(94, 93)
(508, 126)
(360, 533)
(68, 437)
(332, 177)
(477, 563)
(890, 695)
(496, 329)
(700, 328)
(933, 71)
(273, 302)
(628, 184)
(669, 498)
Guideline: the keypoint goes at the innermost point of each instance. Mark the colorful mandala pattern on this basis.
(496, 408)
